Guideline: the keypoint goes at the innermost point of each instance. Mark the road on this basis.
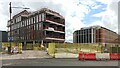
(57, 62)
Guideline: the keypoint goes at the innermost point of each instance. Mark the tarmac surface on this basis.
(41, 58)
(57, 62)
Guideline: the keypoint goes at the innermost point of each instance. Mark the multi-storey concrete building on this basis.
(44, 25)
(95, 34)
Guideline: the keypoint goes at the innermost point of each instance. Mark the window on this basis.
(17, 19)
(40, 26)
(17, 25)
(23, 23)
(14, 27)
(34, 20)
(34, 26)
(26, 22)
(20, 18)
(43, 16)
(11, 27)
(39, 18)
(29, 21)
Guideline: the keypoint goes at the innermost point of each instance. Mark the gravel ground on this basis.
(26, 55)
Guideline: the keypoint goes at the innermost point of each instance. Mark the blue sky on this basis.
(89, 18)
(77, 13)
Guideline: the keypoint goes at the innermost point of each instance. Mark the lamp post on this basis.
(10, 12)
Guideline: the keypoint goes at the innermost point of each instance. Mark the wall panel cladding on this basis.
(90, 56)
(102, 56)
(101, 30)
(114, 56)
(99, 56)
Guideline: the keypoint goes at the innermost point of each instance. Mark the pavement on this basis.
(28, 54)
(41, 58)
(57, 62)
(31, 54)
(66, 55)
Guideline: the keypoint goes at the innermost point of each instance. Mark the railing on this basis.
(55, 20)
(55, 36)
(46, 27)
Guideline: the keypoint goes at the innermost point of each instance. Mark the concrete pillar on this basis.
(33, 44)
(88, 36)
(24, 45)
(78, 36)
(83, 37)
(0, 46)
(92, 35)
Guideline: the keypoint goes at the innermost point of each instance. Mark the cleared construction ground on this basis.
(71, 50)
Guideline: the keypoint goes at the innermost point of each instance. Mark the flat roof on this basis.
(95, 26)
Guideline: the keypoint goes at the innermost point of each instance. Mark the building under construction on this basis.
(95, 34)
(42, 26)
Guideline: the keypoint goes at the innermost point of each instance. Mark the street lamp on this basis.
(10, 11)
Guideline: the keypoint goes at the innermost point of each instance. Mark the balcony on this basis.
(54, 35)
(54, 39)
(54, 14)
(54, 21)
(53, 29)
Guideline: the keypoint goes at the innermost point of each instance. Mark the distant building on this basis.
(119, 20)
(3, 36)
(95, 34)
(44, 25)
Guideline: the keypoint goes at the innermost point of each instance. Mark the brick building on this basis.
(95, 34)
(44, 25)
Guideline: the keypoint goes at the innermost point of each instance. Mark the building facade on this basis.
(119, 20)
(3, 36)
(95, 34)
(44, 25)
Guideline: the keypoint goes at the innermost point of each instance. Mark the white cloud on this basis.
(99, 14)
(74, 16)
(73, 12)
(100, 23)
(88, 2)
(110, 16)
(3, 23)
(105, 1)
(3, 19)
(64, 7)
(96, 6)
